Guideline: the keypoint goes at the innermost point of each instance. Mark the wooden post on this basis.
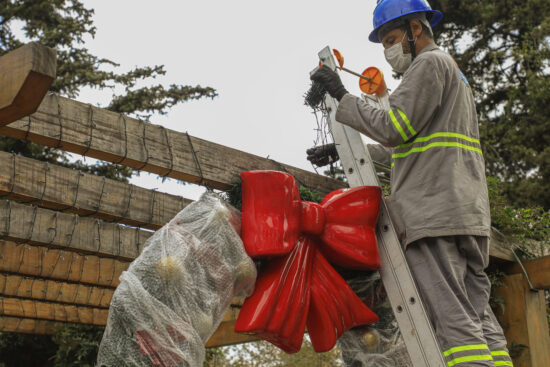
(25, 76)
(524, 321)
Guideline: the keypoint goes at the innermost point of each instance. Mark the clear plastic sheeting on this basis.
(174, 295)
(376, 345)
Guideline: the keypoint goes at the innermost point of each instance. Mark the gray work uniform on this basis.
(439, 201)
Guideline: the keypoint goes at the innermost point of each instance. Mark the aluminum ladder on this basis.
(398, 281)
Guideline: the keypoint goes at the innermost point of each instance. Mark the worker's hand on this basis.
(322, 155)
(330, 81)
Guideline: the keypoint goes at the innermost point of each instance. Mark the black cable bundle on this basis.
(314, 96)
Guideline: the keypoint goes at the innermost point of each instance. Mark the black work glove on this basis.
(322, 155)
(330, 81)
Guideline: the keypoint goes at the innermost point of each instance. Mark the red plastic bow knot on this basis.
(299, 286)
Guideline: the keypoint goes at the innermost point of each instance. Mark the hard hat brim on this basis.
(434, 17)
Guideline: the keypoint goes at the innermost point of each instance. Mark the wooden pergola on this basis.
(66, 236)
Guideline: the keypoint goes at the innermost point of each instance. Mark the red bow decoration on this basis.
(298, 286)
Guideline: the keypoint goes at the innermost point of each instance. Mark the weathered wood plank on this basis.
(43, 262)
(224, 335)
(538, 271)
(102, 134)
(25, 76)
(26, 308)
(498, 248)
(524, 321)
(28, 326)
(18, 286)
(79, 314)
(26, 223)
(55, 187)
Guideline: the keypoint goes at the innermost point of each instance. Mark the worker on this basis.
(439, 201)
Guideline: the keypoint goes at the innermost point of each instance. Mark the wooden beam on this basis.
(499, 248)
(524, 321)
(26, 308)
(63, 312)
(25, 76)
(28, 326)
(17, 286)
(224, 335)
(538, 271)
(80, 128)
(14, 285)
(43, 262)
(31, 224)
(60, 188)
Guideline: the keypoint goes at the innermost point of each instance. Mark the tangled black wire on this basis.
(323, 151)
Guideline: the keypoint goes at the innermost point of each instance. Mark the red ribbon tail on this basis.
(277, 310)
(334, 307)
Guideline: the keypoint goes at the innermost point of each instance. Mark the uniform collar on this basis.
(429, 48)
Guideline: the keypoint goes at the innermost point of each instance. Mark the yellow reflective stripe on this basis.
(469, 359)
(434, 145)
(504, 363)
(407, 122)
(398, 126)
(440, 135)
(462, 348)
(500, 353)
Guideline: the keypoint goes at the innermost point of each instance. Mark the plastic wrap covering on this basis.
(380, 344)
(174, 295)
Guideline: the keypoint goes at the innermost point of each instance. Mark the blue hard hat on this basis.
(388, 10)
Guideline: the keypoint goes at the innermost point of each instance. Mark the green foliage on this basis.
(308, 195)
(264, 354)
(503, 48)
(235, 196)
(215, 357)
(529, 227)
(21, 350)
(77, 345)
(64, 25)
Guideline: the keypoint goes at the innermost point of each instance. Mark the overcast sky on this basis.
(256, 54)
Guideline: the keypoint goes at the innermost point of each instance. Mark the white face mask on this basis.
(395, 56)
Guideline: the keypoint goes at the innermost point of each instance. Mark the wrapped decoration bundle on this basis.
(174, 295)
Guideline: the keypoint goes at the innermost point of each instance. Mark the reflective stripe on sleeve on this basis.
(398, 126)
(407, 122)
